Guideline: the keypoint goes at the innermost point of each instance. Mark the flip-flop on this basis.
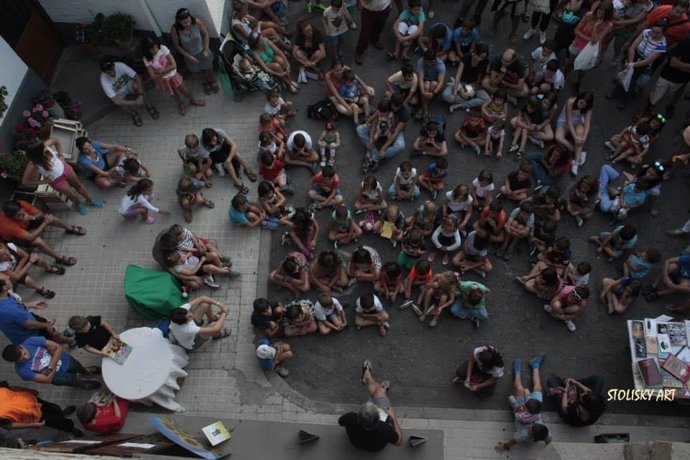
(45, 292)
(366, 366)
(40, 305)
(82, 209)
(66, 260)
(386, 385)
(96, 203)
(251, 175)
(209, 204)
(198, 102)
(136, 119)
(55, 270)
(153, 112)
(76, 230)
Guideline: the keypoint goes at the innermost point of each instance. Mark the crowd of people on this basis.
(507, 104)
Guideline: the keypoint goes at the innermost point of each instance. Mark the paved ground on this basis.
(224, 380)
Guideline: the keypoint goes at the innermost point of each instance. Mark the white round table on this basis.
(150, 373)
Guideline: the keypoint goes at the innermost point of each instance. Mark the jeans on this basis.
(393, 192)
(391, 151)
(459, 310)
(607, 174)
(539, 172)
(52, 415)
(69, 378)
(478, 10)
(480, 97)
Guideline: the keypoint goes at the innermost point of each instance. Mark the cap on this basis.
(265, 352)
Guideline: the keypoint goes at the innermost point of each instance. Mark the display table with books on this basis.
(145, 368)
(660, 355)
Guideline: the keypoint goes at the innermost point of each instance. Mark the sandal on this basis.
(225, 332)
(386, 386)
(182, 109)
(153, 112)
(65, 260)
(96, 203)
(243, 188)
(207, 89)
(82, 209)
(76, 230)
(209, 204)
(366, 366)
(45, 292)
(198, 102)
(250, 174)
(54, 269)
(136, 119)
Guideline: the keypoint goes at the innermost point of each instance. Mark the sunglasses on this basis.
(661, 118)
(183, 14)
(576, 296)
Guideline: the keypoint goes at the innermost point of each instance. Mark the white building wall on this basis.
(12, 73)
(212, 12)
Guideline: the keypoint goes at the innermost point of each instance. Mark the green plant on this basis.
(3, 103)
(13, 164)
(117, 27)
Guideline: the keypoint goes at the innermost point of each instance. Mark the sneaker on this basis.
(281, 371)
(542, 37)
(220, 169)
(574, 168)
(314, 168)
(415, 308)
(93, 370)
(477, 149)
(285, 239)
(405, 304)
(535, 363)
(453, 107)
(323, 163)
(433, 322)
(210, 282)
(335, 245)
(583, 158)
(570, 325)
(386, 324)
(517, 366)
(234, 273)
(677, 232)
(434, 194)
(475, 323)
(289, 189)
(479, 272)
(579, 221)
(529, 34)
(431, 14)
(270, 223)
(547, 308)
(352, 25)
(538, 142)
(87, 384)
(185, 292)
(69, 410)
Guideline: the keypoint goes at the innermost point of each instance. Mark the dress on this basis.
(193, 43)
(170, 80)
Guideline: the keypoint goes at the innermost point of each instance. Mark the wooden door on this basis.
(32, 36)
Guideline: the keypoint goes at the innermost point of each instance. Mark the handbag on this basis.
(224, 80)
(587, 58)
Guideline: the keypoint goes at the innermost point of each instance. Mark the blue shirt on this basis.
(407, 18)
(684, 262)
(632, 197)
(40, 359)
(238, 217)
(13, 316)
(465, 41)
(86, 162)
(630, 244)
(431, 73)
(266, 364)
(641, 267)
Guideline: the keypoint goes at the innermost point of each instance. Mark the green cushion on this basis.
(152, 293)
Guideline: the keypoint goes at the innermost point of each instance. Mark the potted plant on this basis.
(46, 99)
(35, 124)
(12, 165)
(117, 28)
(72, 110)
(3, 103)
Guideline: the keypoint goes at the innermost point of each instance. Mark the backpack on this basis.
(322, 110)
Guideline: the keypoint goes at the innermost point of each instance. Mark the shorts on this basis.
(574, 50)
(199, 342)
(62, 182)
(406, 29)
(514, 8)
(407, 261)
(336, 39)
(267, 364)
(381, 401)
(320, 190)
(520, 400)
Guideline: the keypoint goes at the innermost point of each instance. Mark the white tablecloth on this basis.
(151, 371)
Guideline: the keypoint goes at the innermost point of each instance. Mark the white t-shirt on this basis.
(458, 206)
(482, 190)
(539, 60)
(270, 109)
(198, 153)
(376, 5)
(398, 80)
(496, 372)
(335, 21)
(120, 84)
(128, 202)
(12, 263)
(57, 167)
(321, 313)
(160, 61)
(291, 140)
(402, 180)
(378, 306)
(187, 262)
(186, 242)
(185, 333)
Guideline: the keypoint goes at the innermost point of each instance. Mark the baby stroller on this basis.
(245, 75)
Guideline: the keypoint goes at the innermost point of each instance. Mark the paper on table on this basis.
(650, 327)
(387, 229)
(663, 319)
(137, 445)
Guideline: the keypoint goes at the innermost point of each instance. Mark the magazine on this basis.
(663, 345)
(676, 368)
(102, 398)
(117, 350)
(676, 333)
(638, 328)
(650, 372)
(216, 433)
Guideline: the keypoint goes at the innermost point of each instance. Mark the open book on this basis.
(117, 350)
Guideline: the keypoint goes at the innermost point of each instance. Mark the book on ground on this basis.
(651, 345)
(216, 433)
(650, 327)
(676, 333)
(676, 368)
(663, 345)
(387, 229)
(650, 372)
(684, 354)
(638, 328)
(117, 350)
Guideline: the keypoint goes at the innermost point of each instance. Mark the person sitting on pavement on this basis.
(328, 273)
(125, 88)
(365, 428)
(300, 318)
(545, 284)
(364, 265)
(619, 294)
(394, 141)
(42, 361)
(568, 304)
(369, 311)
(104, 413)
(431, 74)
(614, 244)
(18, 323)
(526, 405)
(580, 402)
(15, 263)
(272, 355)
(92, 333)
(481, 372)
(470, 302)
(268, 317)
(329, 314)
(187, 322)
(101, 160)
(674, 278)
(439, 294)
(22, 408)
(292, 273)
(507, 73)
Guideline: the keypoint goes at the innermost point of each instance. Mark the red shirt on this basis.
(274, 171)
(12, 228)
(674, 32)
(326, 183)
(500, 219)
(105, 420)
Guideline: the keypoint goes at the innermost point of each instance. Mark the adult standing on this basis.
(674, 77)
(374, 14)
(365, 428)
(191, 39)
(478, 10)
(579, 402)
(677, 24)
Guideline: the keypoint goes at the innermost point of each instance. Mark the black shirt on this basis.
(471, 74)
(516, 184)
(514, 72)
(374, 440)
(316, 41)
(97, 337)
(402, 115)
(681, 52)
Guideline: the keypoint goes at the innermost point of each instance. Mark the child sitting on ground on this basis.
(578, 275)
(186, 264)
(136, 203)
(390, 282)
(250, 215)
(458, 203)
(272, 168)
(292, 273)
(273, 202)
(328, 142)
(472, 131)
(474, 255)
(393, 222)
(519, 226)
(638, 264)
(130, 169)
(329, 314)
(433, 178)
(272, 125)
(430, 142)
(370, 196)
(404, 186)
(355, 95)
(328, 272)
(424, 219)
(619, 294)
(412, 249)
(614, 244)
(420, 275)
(482, 189)
(631, 144)
(407, 29)
(495, 138)
(446, 239)
(364, 265)
(189, 195)
(557, 255)
(272, 355)
(325, 189)
(278, 107)
(304, 230)
(267, 317)
(369, 312)
(544, 235)
(439, 294)
(268, 143)
(492, 220)
(343, 229)
(517, 184)
(300, 318)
